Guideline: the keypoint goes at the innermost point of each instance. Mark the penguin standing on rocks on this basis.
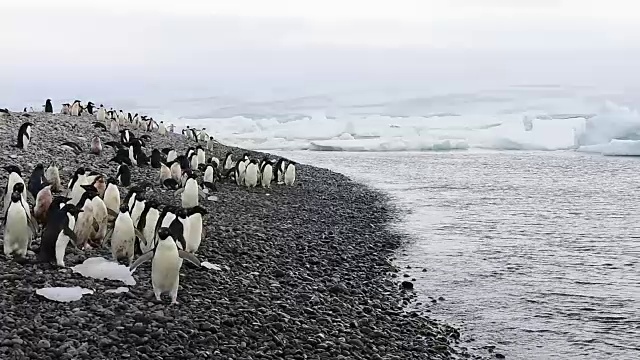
(96, 145)
(18, 228)
(111, 198)
(171, 155)
(193, 237)
(165, 265)
(114, 128)
(76, 109)
(156, 159)
(101, 217)
(267, 174)
(78, 179)
(123, 175)
(58, 233)
(48, 108)
(86, 222)
(123, 236)
(14, 179)
(90, 107)
(24, 135)
(201, 154)
(66, 109)
(190, 192)
(162, 130)
(37, 180)
(210, 143)
(101, 115)
(147, 224)
(53, 177)
(139, 204)
(279, 170)
(240, 169)
(210, 176)
(251, 174)
(290, 173)
(228, 162)
(44, 198)
(176, 171)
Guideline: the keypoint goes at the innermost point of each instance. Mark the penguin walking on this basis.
(18, 228)
(165, 265)
(123, 236)
(24, 136)
(193, 236)
(210, 143)
(48, 107)
(111, 198)
(96, 145)
(52, 174)
(202, 135)
(251, 174)
(190, 192)
(267, 174)
(101, 115)
(123, 175)
(58, 233)
(290, 173)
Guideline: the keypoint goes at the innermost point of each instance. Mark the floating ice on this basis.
(101, 268)
(63, 294)
(209, 265)
(119, 290)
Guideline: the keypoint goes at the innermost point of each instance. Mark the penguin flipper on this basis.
(96, 226)
(189, 257)
(140, 236)
(179, 191)
(107, 236)
(33, 225)
(202, 193)
(30, 197)
(139, 261)
(68, 232)
(112, 213)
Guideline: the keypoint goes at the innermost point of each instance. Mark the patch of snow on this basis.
(119, 290)
(209, 265)
(101, 268)
(205, 190)
(212, 198)
(63, 294)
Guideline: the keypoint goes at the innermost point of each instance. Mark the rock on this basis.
(44, 344)
(499, 356)
(407, 285)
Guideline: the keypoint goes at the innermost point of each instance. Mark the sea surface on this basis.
(535, 253)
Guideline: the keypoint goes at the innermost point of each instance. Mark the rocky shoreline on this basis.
(305, 273)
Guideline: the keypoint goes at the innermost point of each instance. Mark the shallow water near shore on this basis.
(535, 253)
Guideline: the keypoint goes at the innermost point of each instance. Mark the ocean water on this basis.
(535, 253)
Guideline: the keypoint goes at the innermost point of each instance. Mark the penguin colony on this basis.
(89, 212)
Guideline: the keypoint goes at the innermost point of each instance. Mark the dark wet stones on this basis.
(499, 356)
(407, 285)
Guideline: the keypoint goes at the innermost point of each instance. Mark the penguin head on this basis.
(80, 171)
(253, 161)
(152, 204)
(18, 187)
(39, 167)
(112, 180)
(71, 209)
(203, 167)
(170, 184)
(164, 233)
(12, 169)
(181, 213)
(15, 196)
(124, 208)
(197, 210)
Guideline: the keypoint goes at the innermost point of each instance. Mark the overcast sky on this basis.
(354, 40)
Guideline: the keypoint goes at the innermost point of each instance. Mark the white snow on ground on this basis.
(209, 265)
(63, 294)
(101, 268)
(119, 290)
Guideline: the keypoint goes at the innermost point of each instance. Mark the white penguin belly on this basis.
(122, 240)
(17, 233)
(138, 208)
(62, 241)
(165, 267)
(112, 199)
(290, 175)
(194, 234)
(190, 195)
(267, 174)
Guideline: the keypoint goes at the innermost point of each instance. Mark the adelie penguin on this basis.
(18, 228)
(210, 176)
(123, 236)
(90, 107)
(290, 173)
(99, 125)
(111, 198)
(24, 135)
(166, 261)
(14, 178)
(48, 108)
(44, 198)
(123, 175)
(53, 177)
(267, 174)
(96, 145)
(190, 192)
(278, 170)
(66, 109)
(162, 130)
(58, 233)
(86, 222)
(156, 159)
(251, 174)
(147, 225)
(101, 114)
(37, 180)
(193, 236)
(76, 109)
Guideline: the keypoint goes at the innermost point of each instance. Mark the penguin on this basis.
(210, 143)
(18, 228)
(24, 110)
(190, 192)
(267, 174)
(165, 172)
(57, 203)
(139, 203)
(57, 234)
(99, 125)
(209, 178)
(171, 155)
(251, 174)
(78, 179)
(171, 184)
(114, 128)
(279, 170)
(66, 109)
(166, 261)
(201, 154)
(101, 217)
(123, 236)
(96, 145)
(123, 175)
(14, 179)
(194, 233)
(193, 161)
(194, 135)
(44, 199)
(101, 115)
(90, 107)
(122, 157)
(37, 180)
(121, 118)
(214, 160)
(48, 107)
(53, 177)
(86, 222)
(290, 173)
(130, 118)
(176, 171)
(228, 161)
(162, 130)
(141, 159)
(111, 198)
(240, 169)
(125, 136)
(75, 108)
(24, 136)
(156, 158)
(72, 146)
(136, 120)
(147, 225)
